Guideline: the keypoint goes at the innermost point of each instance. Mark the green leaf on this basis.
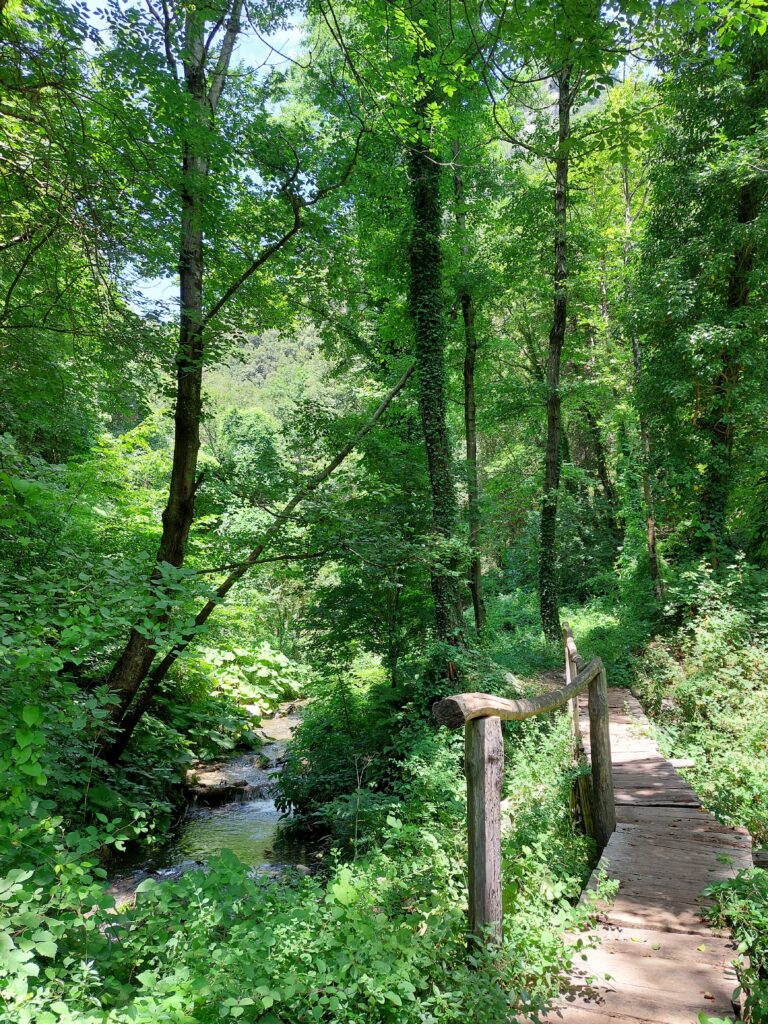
(32, 715)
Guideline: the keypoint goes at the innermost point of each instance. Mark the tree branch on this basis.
(227, 46)
(263, 561)
(285, 515)
(258, 262)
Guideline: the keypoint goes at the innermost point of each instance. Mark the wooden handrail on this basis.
(464, 707)
(481, 715)
(570, 647)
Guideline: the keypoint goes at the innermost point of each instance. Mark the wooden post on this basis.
(581, 791)
(573, 703)
(603, 806)
(571, 671)
(484, 766)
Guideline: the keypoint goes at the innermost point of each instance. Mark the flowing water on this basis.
(247, 822)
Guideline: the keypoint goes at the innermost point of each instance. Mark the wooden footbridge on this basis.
(657, 960)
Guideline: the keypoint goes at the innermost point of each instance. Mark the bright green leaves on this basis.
(25, 755)
(342, 890)
(32, 715)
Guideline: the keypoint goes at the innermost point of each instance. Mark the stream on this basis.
(232, 808)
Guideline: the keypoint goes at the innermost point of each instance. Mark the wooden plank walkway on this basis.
(658, 961)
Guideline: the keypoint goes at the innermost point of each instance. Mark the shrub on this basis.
(741, 903)
(708, 686)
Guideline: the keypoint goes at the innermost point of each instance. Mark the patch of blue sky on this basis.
(158, 296)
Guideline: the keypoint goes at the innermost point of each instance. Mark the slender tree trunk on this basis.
(470, 406)
(426, 308)
(650, 515)
(645, 438)
(134, 662)
(548, 585)
(604, 476)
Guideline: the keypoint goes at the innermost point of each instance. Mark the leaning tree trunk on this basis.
(426, 308)
(467, 304)
(548, 586)
(133, 715)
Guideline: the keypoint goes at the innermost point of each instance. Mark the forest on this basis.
(348, 348)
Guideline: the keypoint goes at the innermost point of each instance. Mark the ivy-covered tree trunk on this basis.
(427, 313)
(466, 301)
(548, 585)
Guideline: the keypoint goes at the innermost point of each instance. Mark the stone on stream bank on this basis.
(246, 776)
(210, 785)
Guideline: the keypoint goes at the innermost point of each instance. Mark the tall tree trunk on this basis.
(717, 422)
(603, 474)
(645, 438)
(426, 308)
(650, 515)
(548, 586)
(134, 662)
(466, 302)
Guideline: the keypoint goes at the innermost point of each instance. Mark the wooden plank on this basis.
(696, 875)
(644, 942)
(665, 895)
(666, 965)
(647, 795)
(688, 821)
(594, 1015)
(680, 918)
(699, 847)
(670, 854)
(631, 985)
(701, 816)
(654, 1008)
(645, 774)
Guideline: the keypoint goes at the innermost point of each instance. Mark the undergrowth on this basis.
(379, 937)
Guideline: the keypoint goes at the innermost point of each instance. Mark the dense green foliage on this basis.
(333, 337)
(741, 904)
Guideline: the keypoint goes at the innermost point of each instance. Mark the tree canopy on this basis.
(346, 346)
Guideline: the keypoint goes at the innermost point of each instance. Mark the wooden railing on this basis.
(481, 715)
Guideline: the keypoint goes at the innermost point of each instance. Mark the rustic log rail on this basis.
(481, 715)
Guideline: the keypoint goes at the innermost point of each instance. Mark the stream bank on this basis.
(231, 806)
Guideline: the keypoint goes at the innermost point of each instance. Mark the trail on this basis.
(666, 964)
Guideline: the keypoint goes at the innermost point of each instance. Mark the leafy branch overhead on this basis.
(346, 348)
